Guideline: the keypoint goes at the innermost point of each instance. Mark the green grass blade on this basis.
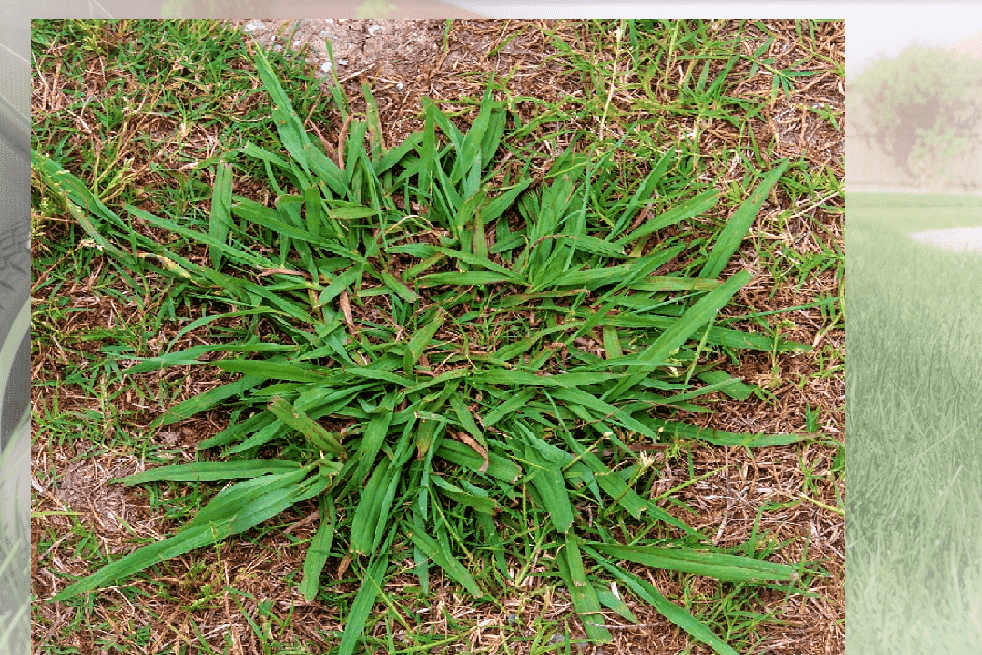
(701, 203)
(585, 599)
(319, 549)
(288, 124)
(261, 509)
(361, 607)
(721, 438)
(450, 564)
(313, 432)
(463, 455)
(465, 278)
(677, 615)
(467, 420)
(736, 228)
(513, 403)
(205, 401)
(211, 471)
(671, 339)
(421, 340)
(272, 370)
(730, 568)
(547, 479)
(397, 287)
(220, 217)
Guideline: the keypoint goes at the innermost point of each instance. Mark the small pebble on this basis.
(326, 67)
(343, 61)
(323, 32)
(399, 86)
(277, 47)
(296, 44)
(372, 29)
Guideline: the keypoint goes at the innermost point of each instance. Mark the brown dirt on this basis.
(411, 53)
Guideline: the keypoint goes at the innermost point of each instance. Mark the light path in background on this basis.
(959, 239)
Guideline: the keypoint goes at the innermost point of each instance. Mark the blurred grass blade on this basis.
(738, 225)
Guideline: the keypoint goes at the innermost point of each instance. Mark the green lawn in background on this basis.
(914, 417)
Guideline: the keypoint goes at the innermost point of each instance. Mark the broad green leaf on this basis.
(421, 340)
(701, 203)
(463, 455)
(513, 403)
(464, 278)
(400, 289)
(671, 339)
(272, 370)
(480, 502)
(288, 124)
(467, 419)
(375, 433)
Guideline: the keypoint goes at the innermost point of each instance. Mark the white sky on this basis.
(884, 30)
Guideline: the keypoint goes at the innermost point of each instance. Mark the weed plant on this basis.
(453, 352)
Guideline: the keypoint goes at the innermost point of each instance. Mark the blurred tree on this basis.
(924, 108)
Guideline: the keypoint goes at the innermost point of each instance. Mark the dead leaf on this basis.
(469, 440)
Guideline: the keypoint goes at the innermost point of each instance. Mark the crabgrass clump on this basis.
(452, 355)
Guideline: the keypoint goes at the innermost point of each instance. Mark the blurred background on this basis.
(914, 108)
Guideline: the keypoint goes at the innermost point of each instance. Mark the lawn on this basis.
(914, 416)
(535, 365)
